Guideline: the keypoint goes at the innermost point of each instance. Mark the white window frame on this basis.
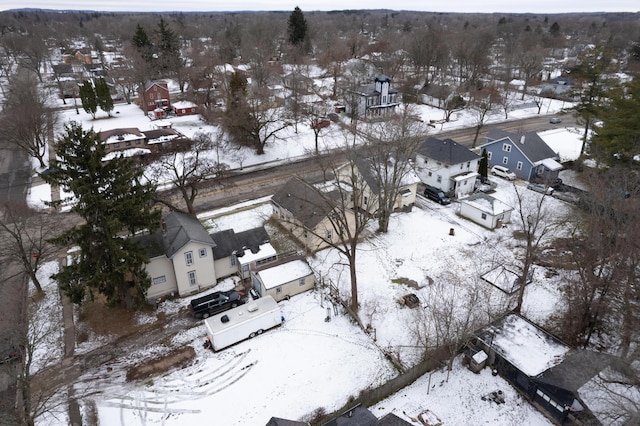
(202, 252)
(192, 278)
(188, 258)
(159, 280)
(505, 160)
(519, 165)
(506, 147)
(489, 155)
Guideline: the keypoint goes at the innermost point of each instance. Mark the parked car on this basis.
(569, 197)
(320, 123)
(214, 303)
(538, 187)
(555, 120)
(436, 195)
(503, 172)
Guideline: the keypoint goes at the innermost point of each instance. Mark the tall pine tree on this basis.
(143, 44)
(617, 140)
(114, 205)
(88, 98)
(103, 96)
(297, 28)
(169, 60)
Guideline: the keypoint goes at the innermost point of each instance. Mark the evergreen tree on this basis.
(297, 28)
(618, 138)
(591, 75)
(88, 98)
(142, 42)
(483, 166)
(103, 96)
(168, 49)
(114, 205)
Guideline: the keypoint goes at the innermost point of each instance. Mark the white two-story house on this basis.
(447, 165)
(180, 257)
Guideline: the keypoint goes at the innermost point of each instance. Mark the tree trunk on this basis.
(354, 281)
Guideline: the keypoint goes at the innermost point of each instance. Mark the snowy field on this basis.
(309, 362)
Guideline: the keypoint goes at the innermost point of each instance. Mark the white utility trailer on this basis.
(244, 322)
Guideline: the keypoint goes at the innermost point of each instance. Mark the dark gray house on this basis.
(563, 383)
(372, 100)
(527, 155)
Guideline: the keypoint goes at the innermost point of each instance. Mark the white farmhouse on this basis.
(447, 165)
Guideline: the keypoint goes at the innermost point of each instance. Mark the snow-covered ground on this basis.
(308, 362)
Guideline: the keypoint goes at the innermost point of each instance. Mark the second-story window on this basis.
(188, 258)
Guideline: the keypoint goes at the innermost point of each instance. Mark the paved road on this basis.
(14, 181)
(253, 183)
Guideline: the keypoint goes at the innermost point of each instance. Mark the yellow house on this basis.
(180, 257)
(310, 215)
(371, 185)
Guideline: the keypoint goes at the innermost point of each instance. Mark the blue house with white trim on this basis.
(527, 155)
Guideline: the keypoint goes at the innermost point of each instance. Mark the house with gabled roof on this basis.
(554, 377)
(122, 138)
(180, 257)
(237, 253)
(372, 100)
(305, 212)
(485, 210)
(154, 98)
(447, 165)
(371, 187)
(526, 154)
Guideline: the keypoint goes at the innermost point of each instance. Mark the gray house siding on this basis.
(504, 153)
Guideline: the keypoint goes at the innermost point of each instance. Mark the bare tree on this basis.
(42, 348)
(342, 202)
(483, 102)
(389, 149)
(252, 120)
(188, 168)
(604, 253)
(24, 237)
(27, 117)
(29, 50)
(537, 222)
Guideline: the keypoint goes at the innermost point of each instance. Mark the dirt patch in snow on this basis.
(175, 359)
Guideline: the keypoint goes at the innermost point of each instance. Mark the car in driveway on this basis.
(503, 172)
(214, 303)
(538, 187)
(436, 195)
(555, 120)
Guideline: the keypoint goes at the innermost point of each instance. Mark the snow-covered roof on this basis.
(487, 203)
(527, 347)
(266, 250)
(131, 152)
(504, 279)
(183, 104)
(465, 176)
(550, 164)
(287, 272)
(120, 135)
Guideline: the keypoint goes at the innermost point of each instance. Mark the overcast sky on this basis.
(487, 6)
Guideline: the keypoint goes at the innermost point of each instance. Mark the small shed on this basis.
(184, 108)
(283, 281)
(485, 210)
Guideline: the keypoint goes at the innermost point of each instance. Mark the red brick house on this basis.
(155, 98)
